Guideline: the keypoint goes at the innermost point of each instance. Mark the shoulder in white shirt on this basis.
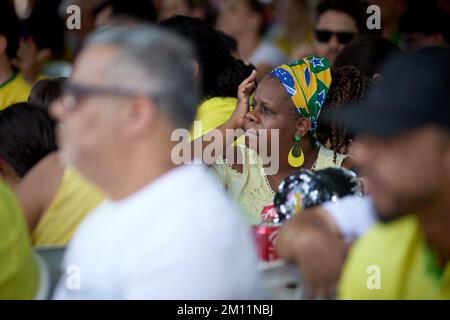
(353, 215)
(180, 237)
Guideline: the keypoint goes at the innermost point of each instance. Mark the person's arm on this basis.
(235, 122)
(318, 240)
(313, 241)
(38, 188)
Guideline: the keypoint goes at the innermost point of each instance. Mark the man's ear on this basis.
(141, 116)
(303, 126)
(3, 44)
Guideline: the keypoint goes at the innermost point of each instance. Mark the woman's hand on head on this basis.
(243, 103)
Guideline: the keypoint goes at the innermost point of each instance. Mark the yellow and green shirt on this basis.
(14, 90)
(393, 261)
(18, 270)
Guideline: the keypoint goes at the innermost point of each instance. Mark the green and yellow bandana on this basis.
(307, 82)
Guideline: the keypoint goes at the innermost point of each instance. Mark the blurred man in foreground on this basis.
(405, 154)
(167, 232)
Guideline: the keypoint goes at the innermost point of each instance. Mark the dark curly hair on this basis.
(348, 87)
(221, 73)
(367, 53)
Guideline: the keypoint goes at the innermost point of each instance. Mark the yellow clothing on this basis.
(251, 189)
(212, 113)
(74, 199)
(14, 90)
(407, 266)
(19, 272)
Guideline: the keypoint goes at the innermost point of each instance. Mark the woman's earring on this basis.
(296, 156)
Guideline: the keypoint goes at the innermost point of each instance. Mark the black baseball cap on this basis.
(414, 92)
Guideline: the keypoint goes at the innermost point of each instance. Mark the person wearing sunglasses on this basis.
(338, 22)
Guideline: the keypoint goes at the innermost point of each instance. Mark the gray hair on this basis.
(154, 62)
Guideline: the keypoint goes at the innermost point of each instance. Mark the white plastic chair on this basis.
(49, 263)
(43, 290)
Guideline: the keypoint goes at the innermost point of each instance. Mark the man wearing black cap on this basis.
(404, 152)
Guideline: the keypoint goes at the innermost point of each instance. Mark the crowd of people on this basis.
(263, 90)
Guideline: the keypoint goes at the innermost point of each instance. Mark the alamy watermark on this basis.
(73, 21)
(73, 277)
(373, 22)
(215, 145)
(373, 281)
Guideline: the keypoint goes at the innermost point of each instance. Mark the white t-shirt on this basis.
(179, 237)
(353, 215)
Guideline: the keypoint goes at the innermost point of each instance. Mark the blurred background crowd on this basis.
(264, 33)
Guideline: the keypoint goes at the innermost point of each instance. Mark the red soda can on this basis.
(269, 213)
(266, 235)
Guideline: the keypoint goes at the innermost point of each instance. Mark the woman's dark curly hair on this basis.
(221, 73)
(348, 87)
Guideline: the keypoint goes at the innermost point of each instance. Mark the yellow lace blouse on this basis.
(251, 189)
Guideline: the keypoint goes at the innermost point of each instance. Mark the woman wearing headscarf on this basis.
(289, 100)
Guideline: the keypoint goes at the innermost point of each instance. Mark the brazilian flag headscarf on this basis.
(307, 81)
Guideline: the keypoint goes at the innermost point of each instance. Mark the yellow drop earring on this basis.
(296, 158)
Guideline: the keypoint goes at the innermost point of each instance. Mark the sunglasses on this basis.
(343, 37)
(74, 92)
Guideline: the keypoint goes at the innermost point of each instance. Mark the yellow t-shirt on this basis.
(393, 261)
(18, 270)
(251, 189)
(74, 199)
(14, 90)
(212, 113)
